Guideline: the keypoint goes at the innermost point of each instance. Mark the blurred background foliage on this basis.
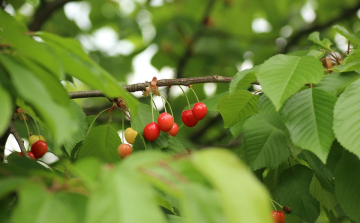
(135, 40)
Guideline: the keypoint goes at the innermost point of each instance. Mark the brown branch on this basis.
(160, 83)
(345, 14)
(45, 10)
(18, 138)
(188, 51)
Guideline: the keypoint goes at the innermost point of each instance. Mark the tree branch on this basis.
(18, 138)
(160, 83)
(187, 54)
(45, 10)
(3, 140)
(345, 14)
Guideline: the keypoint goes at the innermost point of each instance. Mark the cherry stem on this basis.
(273, 201)
(195, 94)
(155, 106)
(92, 123)
(124, 113)
(164, 104)
(152, 107)
(27, 128)
(169, 106)
(123, 132)
(187, 99)
(273, 205)
(37, 127)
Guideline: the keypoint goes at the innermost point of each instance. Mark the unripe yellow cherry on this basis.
(35, 138)
(130, 135)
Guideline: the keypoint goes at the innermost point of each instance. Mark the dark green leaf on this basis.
(174, 146)
(6, 110)
(268, 111)
(348, 184)
(335, 82)
(326, 198)
(293, 191)
(212, 102)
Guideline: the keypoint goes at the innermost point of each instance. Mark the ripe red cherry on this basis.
(151, 131)
(199, 110)
(29, 153)
(174, 130)
(188, 118)
(39, 148)
(165, 122)
(278, 216)
(124, 150)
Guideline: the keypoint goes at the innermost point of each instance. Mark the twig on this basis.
(45, 10)
(18, 138)
(160, 83)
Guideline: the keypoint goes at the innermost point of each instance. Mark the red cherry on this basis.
(174, 130)
(165, 122)
(151, 131)
(39, 148)
(124, 150)
(29, 153)
(188, 118)
(278, 216)
(199, 110)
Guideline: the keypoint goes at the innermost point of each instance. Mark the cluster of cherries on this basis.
(166, 123)
(38, 147)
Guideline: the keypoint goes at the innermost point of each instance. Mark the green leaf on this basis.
(237, 128)
(326, 198)
(236, 107)
(293, 191)
(322, 173)
(102, 142)
(121, 196)
(79, 65)
(32, 90)
(264, 145)
(268, 111)
(175, 219)
(174, 146)
(347, 118)
(243, 79)
(201, 204)
(142, 117)
(351, 37)
(317, 54)
(9, 185)
(241, 202)
(308, 115)
(325, 43)
(281, 76)
(48, 207)
(52, 84)
(336, 82)
(348, 184)
(16, 35)
(212, 102)
(87, 169)
(81, 122)
(139, 143)
(6, 110)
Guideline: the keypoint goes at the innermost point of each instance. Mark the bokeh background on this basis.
(136, 40)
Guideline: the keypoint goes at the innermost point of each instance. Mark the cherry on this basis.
(29, 153)
(124, 150)
(35, 138)
(151, 131)
(188, 118)
(165, 122)
(199, 110)
(174, 130)
(278, 216)
(130, 135)
(39, 148)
